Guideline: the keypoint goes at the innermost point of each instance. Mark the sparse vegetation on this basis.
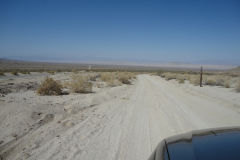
(14, 73)
(110, 78)
(50, 87)
(226, 85)
(124, 78)
(193, 79)
(224, 79)
(181, 80)
(25, 72)
(51, 72)
(80, 84)
(160, 73)
(117, 78)
(93, 77)
(75, 71)
(170, 76)
(106, 76)
(210, 82)
(238, 87)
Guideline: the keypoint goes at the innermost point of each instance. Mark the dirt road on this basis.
(131, 120)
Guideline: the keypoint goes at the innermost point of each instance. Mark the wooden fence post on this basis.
(201, 72)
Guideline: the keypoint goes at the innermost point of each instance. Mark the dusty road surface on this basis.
(127, 122)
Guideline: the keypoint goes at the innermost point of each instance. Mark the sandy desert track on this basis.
(127, 123)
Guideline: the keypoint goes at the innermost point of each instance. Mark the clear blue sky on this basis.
(167, 30)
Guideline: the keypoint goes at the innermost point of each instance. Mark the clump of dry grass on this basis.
(117, 78)
(219, 80)
(226, 85)
(80, 84)
(194, 79)
(169, 76)
(2, 74)
(181, 80)
(93, 77)
(210, 82)
(110, 79)
(75, 71)
(50, 87)
(160, 73)
(15, 73)
(113, 82)
(105, 77)
(238, 87)
(125, 78)
(212, 79)
(51, 72)
(25, 72)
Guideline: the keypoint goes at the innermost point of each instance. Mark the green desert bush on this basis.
(50, 87)
(80, 84)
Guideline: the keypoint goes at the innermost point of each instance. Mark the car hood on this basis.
(210, 144)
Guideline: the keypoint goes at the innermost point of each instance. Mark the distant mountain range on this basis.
(168, 65)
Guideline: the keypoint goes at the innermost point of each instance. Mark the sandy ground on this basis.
(125, 122)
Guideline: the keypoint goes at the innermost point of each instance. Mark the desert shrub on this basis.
(181, 81)
(75, 70)
(238, 87)
(226, 85)
(14, 73)
(80, 84)
(160, 73)
(99, 85)
(51, 72)
(50, 87)
(93, 77)
(117, 78)
(194, 80)
(25, 72)
(169, 76)
(124, 78)
(220, 80)
(113, 82)
(131, 75)
(211, 82)
(110, 79)
(180, 77)
(59, 70)
(106, 76)
(2, 74)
